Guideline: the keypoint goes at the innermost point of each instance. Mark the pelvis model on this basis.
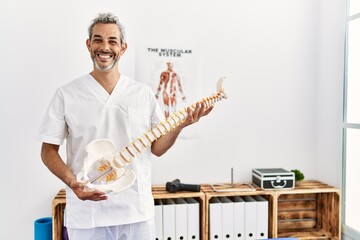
(105, 169)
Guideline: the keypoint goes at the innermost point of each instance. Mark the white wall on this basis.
(330, 86)
(282, 59)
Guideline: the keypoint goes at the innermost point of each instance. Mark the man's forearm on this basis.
(53, 161)
(160, 146)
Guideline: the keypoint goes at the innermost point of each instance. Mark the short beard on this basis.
(106, 68)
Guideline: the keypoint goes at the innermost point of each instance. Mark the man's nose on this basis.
(105, 46)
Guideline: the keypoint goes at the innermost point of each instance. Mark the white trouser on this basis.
(134, 231)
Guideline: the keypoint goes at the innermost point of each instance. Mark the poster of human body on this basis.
(171, 72)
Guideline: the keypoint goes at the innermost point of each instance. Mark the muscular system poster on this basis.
(171, 72)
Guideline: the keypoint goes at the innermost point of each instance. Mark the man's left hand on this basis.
(193, 116)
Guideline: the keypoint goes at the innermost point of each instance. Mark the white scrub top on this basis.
(83, 111)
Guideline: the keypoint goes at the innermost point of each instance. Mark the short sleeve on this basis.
(53, 129)
(157, 114)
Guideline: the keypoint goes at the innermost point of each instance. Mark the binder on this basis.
(250, 218)
(193, 219)
(215, 228)
(168, 219)
(181, 219)
(239, 218)
(227, 218)
(262, 213)
(158, 220)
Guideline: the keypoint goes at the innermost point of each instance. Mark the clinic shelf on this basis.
(158, 191)
(238, 189)
(58, 206)
(310, 211)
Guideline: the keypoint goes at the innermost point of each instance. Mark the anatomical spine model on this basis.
(105, 169)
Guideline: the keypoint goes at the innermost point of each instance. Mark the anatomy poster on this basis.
(172, 73)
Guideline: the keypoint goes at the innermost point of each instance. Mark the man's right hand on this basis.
(51, 158)
(84, 194)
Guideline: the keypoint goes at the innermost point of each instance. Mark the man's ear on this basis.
(123, 48)
(88, 44)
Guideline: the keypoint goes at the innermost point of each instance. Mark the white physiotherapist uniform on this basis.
(83, 111)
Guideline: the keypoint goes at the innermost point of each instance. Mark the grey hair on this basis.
(108, 18)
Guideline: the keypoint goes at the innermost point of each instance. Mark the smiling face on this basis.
(105, 46)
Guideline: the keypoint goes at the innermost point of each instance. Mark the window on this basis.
(351, 126)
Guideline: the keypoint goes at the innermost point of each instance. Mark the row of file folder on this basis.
(236, 218)
(177, 219)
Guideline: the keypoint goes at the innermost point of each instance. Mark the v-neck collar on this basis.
(100, 91)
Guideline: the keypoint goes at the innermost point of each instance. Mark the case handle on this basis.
(278, 186)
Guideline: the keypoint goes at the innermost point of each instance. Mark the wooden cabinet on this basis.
(159, 192)
(58, 206)
(310, 211)
(238, 190)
